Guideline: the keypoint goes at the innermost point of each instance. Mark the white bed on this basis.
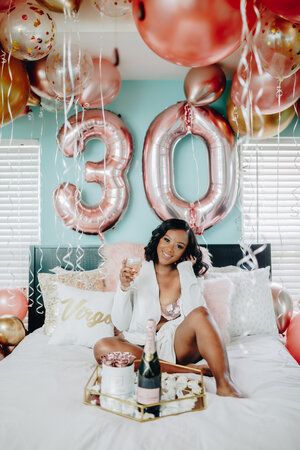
(41, 392)
(41, 404)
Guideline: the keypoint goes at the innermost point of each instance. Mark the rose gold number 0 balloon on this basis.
(163, 134)
(109, 173)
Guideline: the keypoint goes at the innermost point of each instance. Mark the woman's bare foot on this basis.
(228, 389)
(204, 367)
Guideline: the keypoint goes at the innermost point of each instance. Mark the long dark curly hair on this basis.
(192, 248)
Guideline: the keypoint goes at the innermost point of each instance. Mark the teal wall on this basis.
(139, 102)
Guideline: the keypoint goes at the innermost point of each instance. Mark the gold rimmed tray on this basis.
(130, 409)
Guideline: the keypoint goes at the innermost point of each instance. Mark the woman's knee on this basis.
(200, 313)
(104, 345)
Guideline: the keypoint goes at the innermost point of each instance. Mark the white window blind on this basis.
(270, 196)
(19, 209)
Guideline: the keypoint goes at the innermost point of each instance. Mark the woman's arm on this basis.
(121, 313)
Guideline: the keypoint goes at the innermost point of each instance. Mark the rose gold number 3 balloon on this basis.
(163, 134)
(111, 173)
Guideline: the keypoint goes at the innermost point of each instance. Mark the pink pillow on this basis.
(113, 257)
(217, 294)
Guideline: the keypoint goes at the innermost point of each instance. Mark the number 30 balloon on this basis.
(111, 173)
(165, 131)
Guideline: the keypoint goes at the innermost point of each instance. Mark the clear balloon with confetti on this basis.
(69, 69)
(27, 31)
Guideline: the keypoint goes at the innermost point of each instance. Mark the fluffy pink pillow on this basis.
(217, 294)
(113, 257)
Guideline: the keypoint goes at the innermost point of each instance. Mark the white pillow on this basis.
(224, 269)
(83, 316)
(251, 308)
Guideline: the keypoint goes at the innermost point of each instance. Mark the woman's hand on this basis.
(191, 258)
(127, 275)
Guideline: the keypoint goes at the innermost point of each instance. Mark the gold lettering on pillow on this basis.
(78, 311)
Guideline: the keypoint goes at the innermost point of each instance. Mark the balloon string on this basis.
(278, 95)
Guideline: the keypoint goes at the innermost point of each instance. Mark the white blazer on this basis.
(132, 309)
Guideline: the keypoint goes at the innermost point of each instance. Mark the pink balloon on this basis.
(13, 302)
(288, 9)
(190, 33)
(103, 86)
(259, 89)
(111, 174)
(278, 45)
(5, 5)
(204, 85)
(167, 128)
(293, 338)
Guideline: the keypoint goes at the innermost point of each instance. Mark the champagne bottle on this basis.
(149, 376)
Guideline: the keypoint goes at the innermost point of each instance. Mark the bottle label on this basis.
(147, 396)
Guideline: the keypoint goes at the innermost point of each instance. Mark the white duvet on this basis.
(41, 404)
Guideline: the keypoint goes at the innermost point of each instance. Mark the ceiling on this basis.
(100, 34)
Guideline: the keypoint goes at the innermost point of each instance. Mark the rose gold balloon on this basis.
(259, 89)
(278, 45)
(13, 302)
(33, 99)
(103, 86)
(258, 125)
(27, 31)
(40, 84)
(167, 128)
(283, 306)
(5, 5)
(61, 6)
(14, 88)
(288, 9)
(191, 33)
(204, 85)
(12, 330)
(110, 173)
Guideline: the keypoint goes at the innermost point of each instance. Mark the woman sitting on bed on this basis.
(166, 289)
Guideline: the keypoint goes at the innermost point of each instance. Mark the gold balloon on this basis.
(61, 6)
(14, 88)
(260, 125)
(12, 330)
(33, 99)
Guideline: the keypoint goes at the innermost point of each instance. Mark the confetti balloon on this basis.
(68, 70)
(27, 31)
(113, 8)
(278, 45)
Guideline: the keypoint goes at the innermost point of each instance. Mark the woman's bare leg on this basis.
(115, 344)
(197, 337)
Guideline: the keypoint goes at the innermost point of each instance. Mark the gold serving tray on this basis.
(135, 411)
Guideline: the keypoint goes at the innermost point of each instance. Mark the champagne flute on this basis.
(135, 263)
